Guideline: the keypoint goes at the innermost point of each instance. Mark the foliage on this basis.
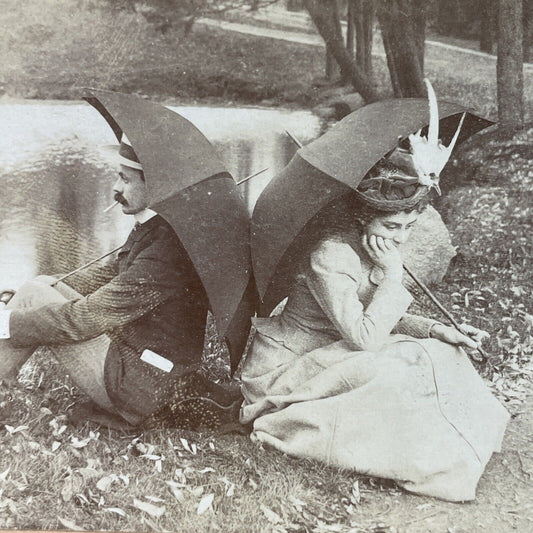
(163, 14)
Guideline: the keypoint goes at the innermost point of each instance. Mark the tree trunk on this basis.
(332, 68)
(487, 30)
(447, 16)
(509, 64)
(403, 46)
(350, 30)
(363, 15)
(419, 17)
(325, 16)
(527, 40)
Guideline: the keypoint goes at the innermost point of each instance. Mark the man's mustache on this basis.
(120, 199)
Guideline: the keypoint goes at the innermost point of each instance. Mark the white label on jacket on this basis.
(156, 360)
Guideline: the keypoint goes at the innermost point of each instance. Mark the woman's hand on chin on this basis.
(469, 336)
(384, 254)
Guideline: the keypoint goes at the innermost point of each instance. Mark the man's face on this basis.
(130, 190)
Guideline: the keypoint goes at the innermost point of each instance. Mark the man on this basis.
(134, 342)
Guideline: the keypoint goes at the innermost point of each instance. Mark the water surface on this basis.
(55, 183)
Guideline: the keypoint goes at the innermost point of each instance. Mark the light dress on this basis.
(343, 375)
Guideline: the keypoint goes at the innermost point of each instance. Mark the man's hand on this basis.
(469, 336)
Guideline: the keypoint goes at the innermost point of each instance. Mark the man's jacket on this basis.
(152, 299)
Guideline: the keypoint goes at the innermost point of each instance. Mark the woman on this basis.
(344, 375)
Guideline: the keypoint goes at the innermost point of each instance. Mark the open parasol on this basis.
(318, 174)
(189, 186)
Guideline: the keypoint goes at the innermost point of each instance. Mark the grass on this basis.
(54, 475)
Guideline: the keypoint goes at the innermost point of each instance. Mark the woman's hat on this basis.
(407, 174)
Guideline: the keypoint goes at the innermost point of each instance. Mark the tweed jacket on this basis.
(151, 298)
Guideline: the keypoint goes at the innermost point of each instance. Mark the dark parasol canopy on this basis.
(190, 187)
(328, 168)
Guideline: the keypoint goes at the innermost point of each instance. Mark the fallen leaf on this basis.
(11, 430)
(296, 502)
(197, 491)
(185, 444)
(205, 503)
(69, 524)
(77, 443)
(3, 475)
(88, 473)
(205, 470)
(149, 508)
(178, 494)
(105, 483)
(355, 496)
(55, 445)
(271, 516)
(154, 499)
(151, 457)
(116, 510)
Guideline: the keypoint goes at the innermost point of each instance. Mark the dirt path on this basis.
(295, 34)
(504, 498)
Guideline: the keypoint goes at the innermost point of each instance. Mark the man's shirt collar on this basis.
(144, 216)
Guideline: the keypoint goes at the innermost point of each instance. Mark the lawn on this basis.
(57, 475)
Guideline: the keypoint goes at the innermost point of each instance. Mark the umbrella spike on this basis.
(244, 180)
(294, 139)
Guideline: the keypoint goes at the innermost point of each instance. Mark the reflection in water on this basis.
(55, 182)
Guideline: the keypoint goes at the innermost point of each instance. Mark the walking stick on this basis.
(425, 289)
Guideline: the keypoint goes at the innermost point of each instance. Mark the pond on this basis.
(55, 184)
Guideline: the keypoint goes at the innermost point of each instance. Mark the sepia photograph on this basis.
(266, 266)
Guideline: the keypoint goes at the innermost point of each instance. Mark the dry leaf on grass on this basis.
(11, 430)
(115, 510)
(205, 503)
(69, 524)
(3, 475)
(105, 483)
(271, 516)
(149, 508)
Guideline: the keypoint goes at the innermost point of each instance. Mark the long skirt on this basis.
(416, 411)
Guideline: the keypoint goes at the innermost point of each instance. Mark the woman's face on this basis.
(395, 227)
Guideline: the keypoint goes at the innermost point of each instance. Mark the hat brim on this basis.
(112, 152)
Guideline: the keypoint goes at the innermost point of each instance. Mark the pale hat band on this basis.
(124, 154)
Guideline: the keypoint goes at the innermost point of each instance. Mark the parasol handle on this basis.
(244, 180)
(79, 269)
(294, 139)
(441, 308)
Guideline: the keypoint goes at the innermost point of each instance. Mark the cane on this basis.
(425, 290)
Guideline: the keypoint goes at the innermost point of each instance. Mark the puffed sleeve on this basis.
(334, 278)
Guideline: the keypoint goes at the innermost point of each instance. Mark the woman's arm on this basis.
(334, 278)
(469, 336)
(415, 326)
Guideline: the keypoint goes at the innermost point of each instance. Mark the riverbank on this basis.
(58, 475)
(53, 49)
